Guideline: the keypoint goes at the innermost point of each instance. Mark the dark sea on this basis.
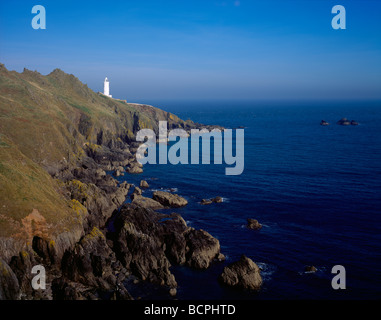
(315, 189)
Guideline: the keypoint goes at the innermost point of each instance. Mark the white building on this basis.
(106, 90)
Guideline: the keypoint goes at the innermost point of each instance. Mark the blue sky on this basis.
(202, 49)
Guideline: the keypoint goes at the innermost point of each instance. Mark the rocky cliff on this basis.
(57, 140)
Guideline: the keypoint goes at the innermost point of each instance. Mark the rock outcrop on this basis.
(169, 199)
(205, 202)
(253, 224)
(147, 242)
(213, 200)
(90, 270)
(96, 202)
(243, 274)
(58, 167)
(203, 248)
(144, 184)
(218, 200)
(135, 168)
(137, 191)
(146, 202)
(9, 285)
(344, 122)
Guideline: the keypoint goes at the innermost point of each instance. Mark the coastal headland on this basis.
(59, 140)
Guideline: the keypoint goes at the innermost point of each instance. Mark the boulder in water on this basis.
(310, 269)
(210, 201)
(206, 201)
(344, 122)
(144, 184)
(169, 200)
(253, 224)
(217, 200)
(244, 274)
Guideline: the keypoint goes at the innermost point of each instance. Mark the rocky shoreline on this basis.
(143, 243)
(60, 154)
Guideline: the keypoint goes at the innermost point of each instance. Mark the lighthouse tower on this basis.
(106, 88)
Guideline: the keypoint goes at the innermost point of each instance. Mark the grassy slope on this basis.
(46, 120)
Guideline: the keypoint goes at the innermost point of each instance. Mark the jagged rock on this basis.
(99, 202)
(45, 249)
(82, 144)
(109, 157)
(89, 259)
(202, 248)
(9, 285)
(146, 202)
(135, 168)
(253, 224)
(147, 242)
(137, 191)
(144, 184)
(244, 274)
(100, 173)
(119, 171)
(89, 269)
(139, 249)
(169, 200)
(22, 265)
(91, 175)
(119, 196)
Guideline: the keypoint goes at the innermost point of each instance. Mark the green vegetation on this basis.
(82, 108)
(3, 144)
(50, 120)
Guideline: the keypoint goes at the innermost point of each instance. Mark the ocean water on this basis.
(316, 190)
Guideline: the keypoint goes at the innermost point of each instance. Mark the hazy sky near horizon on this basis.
(202, 49)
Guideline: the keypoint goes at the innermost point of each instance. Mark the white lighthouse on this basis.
(106, 88)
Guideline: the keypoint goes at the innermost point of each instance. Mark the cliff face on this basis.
(49, 118)
(49, 123)
(57, 138)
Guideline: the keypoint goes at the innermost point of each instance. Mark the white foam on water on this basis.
(267, 270)
(165, 189)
